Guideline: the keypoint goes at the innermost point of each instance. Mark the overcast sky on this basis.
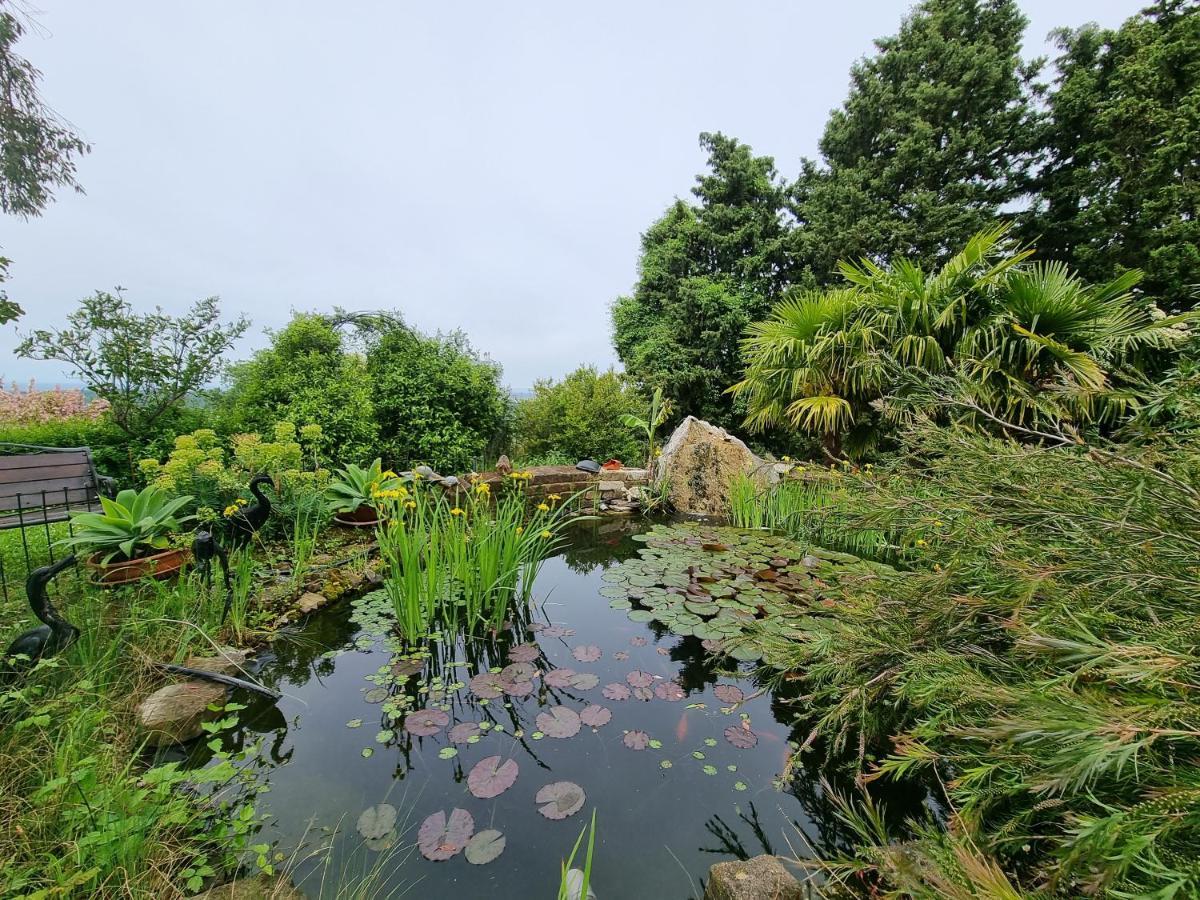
(488, 167)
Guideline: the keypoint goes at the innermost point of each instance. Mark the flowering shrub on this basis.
(31, 406)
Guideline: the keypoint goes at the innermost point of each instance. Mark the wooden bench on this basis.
(47, 484)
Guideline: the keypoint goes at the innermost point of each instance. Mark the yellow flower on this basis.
(389, 474)
(787, 459)
(938, 522)
(520, 529)
(546, 535)
(542, 507)
(483, 488)
(456, 512)
(417, 476)
(411, 504)
(230, 510)
(920, 542)
(554, 497)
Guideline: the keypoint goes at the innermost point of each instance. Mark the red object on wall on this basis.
(613, 464)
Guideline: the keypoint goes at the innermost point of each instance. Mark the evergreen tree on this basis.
(707, 270)
(1121, 187)
(936, 137)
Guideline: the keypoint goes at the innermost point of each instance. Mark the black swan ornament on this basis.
(245, 522)
(55, 634)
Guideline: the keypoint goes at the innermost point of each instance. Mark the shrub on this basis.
(436, 401)
(31, 406)
(581, 417)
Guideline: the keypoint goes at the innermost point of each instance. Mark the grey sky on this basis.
(479, 166)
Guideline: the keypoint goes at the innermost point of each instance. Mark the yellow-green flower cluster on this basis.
(234, 507)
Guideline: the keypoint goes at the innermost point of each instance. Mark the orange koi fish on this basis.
(681, 729)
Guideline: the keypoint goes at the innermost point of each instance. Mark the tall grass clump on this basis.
(462, 560)
(1035, 661)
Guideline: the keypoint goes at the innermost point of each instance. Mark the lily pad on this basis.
(448, 753)
(637, 678)
(487, 685)
(485, 846)
(636, 740)
(710, 770)
(518, 671)
(406, 668)
(641, 693)
(584, 681)
(638, 641)
(525, 653)
(463, 732)
(440, 838)
(377, 821)
(518, 688)
(426, 722)
(668, 690)
(595, 716)
(560, 799)
(376, 695)
(492, 776)
(729, 693)
(559, 722)
(558, 678)
(741, 736)
(587, 653)
(616, 691)
(557, 631)
(620, 656)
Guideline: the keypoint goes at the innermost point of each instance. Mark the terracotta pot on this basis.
(158, 566)
(363, 517)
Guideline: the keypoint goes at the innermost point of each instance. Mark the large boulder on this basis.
(760, 878)
(174, 714)
(699, 462)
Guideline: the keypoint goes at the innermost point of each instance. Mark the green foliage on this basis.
(353, 486)
(659, 412)
(706, 271)
(306, 375)
(937, 134)
(37, 148)
(1026, 343)
(133, 524)
(578, 417)
(1121, 186)
(1033, 657)
(144, 364)
(436, 400)
(10, 310)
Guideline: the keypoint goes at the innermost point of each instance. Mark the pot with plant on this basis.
(354, 491)
(130, 539)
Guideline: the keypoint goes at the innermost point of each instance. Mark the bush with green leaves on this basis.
(579, 417)
(436, 401)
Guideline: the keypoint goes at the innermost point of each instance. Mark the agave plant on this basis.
(133, 525)
(355, 486)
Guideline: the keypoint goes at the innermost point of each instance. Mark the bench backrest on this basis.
(46, 486)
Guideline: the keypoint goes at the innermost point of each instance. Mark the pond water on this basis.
(330, 750)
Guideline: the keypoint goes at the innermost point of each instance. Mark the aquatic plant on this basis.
(576, 884)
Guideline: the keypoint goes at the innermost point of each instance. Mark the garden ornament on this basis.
(588, 465)
(244, 522)
(56, 633)
(204, 548)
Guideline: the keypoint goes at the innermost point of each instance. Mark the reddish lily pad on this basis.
(487, 685)
(636, 740)
(620, 656)
(560, 799)
(518, 688)
(426, 722)
(638, 678)
(440, 838)
(638, 641)
(662, 651)
(741, 736)
(587, 653)
(518, 671)
(729, 693)
(584, 681)
(558, 631)
(641, 693)
(524, 653)
(668, 690)
(616, 691)
(464, 731)
(558, 722)
(535, 627)
(406, 668)
(711, 645)
(559, 678)
(492, 776)
(595, 716)
(485, 846)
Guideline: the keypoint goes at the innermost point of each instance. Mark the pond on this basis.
(679, 754)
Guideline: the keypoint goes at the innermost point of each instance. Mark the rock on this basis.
(698, 464)
(310, 602)
(588, 465)
(614, 486)
(174, 714)
(227, 661)
(427, 473)
(504, 465)
(373, 577)
(450, 481)
(573, 882)
(260, 887)
(760, 878)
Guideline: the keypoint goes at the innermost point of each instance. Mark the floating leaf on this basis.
(697, 754)
(518, 671)
(638, 641)
(485, 846)
(638, 678)
(426, 722)
(584, 681)
(662, 651)
(354, 723)
(636, 740)
(616, 691)
(518, 688)
(440, 838)
(492, 776)
(384, 736)
(377, 821)
(559, 722)
(665, 764)
(655, 744)
(560, 799)
(620, 656)
(558, 631)
(641, 693)
(710, 770)
(406, 668)
(595, 716)
(487, 685)
(537, 735)
(525, 653)
(368, 752)
(587, 653)
(559, 678)
(729, 693)
(376, 695)
(668, 690)
(739, 785)
(741, 736)
(710, 742)
(463, 732)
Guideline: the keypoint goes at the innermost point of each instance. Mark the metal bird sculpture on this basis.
(245, 522)
(204, 548)
(55, 634)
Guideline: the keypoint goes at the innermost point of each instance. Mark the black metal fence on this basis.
(31, 527)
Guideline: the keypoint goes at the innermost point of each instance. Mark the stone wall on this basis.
(606, 492)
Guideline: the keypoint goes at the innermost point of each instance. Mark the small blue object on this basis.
(588, 465)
